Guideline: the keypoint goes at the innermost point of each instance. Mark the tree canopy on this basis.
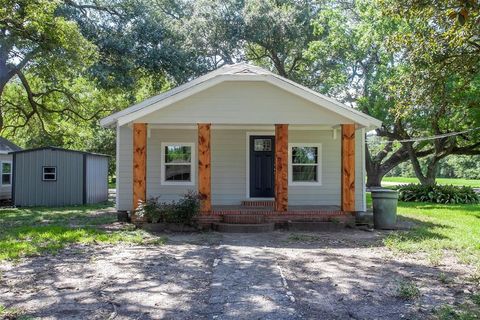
(413, 64)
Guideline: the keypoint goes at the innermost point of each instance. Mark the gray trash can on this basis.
(384, 208)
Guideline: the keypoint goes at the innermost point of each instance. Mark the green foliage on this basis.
(407, 290)
(469, 310)
(437, 194)
(452, 228)
(440, 181)
(150, 210)
(12, 313)
(181, 211)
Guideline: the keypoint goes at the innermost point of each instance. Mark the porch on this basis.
(222, 175)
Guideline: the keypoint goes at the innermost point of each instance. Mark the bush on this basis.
(149, 210)
(437, 194)
(182, 211)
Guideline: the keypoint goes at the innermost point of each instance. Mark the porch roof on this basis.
(237, 72)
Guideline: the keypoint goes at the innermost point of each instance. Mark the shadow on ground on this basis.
(279, 275)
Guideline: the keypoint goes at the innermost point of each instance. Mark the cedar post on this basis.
(139, 164)
(281, 167)
(348, 167)
(204, 167)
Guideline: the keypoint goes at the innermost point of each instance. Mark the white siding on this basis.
(229, 182)
(154, 186)
(360, 201)
(5, 190)
(124, 168)
(229, 152)
(245, 102)
(329, 192)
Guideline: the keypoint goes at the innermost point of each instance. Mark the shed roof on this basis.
(7, 146)
(59, 149)
(240, 71)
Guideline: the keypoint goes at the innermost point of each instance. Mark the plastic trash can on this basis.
(384, 208)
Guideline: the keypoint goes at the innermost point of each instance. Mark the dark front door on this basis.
(262, 166)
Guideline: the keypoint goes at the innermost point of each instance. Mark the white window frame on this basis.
(192, 164)
(11, 173)
(319, 165)
(43, 173)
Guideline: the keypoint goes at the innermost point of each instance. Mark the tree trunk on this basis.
(429, 178)
(374, 172)
(374, 179)
(2, 87)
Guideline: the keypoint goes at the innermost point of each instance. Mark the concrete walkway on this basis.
(248, 283)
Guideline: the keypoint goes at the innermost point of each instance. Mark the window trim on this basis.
(192, 164)
(319, 165)
(43, 174)
(11, 173)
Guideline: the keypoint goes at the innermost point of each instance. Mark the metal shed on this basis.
(52, 176)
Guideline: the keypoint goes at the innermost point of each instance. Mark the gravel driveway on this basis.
(279, 275)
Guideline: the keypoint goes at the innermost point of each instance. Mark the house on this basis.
(247, 140)
(6, 146)
(51, 176)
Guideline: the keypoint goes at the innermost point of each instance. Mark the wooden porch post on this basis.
(348, 167)
(281, 167)
(139, 164)
(204, 167)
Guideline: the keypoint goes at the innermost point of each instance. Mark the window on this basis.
(262, 145)
(49, 174)
(178, 163)
(305, 165)
(6, 173)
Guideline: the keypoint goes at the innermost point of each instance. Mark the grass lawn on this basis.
(31, 231)
(455, 182)
(439, 229)
(442, 230)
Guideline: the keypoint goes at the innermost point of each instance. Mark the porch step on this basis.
(243, 218)
(243, 228)
(258, 203)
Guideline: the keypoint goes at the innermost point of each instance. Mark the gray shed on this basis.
(51, 176)
(6, 147)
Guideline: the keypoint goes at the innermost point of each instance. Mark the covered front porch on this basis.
(222, 169)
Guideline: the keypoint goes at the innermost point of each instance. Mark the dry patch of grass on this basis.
(439, 229)
(32, 231)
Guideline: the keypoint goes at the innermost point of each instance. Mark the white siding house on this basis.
(232, 116)
(6, 167)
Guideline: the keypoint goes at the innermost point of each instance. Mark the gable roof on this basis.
(240, 71)
(59, 149)
(7, 146)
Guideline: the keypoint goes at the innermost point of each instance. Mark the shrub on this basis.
(149, 210)
(437, 194)
(181, 211)
(407, 290)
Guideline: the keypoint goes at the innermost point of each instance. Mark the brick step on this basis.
(243, 218)
(243, 228)
(243, 211)
(258, 203)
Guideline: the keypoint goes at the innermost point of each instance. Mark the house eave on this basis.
(163, 100)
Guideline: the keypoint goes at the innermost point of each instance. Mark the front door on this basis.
(262, 155)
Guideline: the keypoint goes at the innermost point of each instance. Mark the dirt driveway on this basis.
(279, 275)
